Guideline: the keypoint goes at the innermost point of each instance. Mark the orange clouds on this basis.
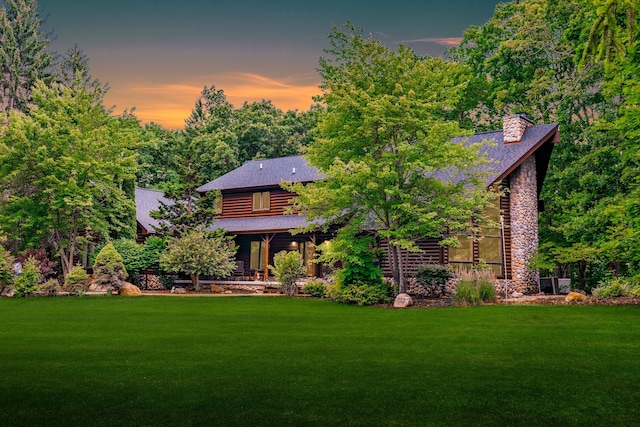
(444, 41)
(169, 104)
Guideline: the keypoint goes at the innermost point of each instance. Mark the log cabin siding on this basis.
(240, 205)
(433, 253)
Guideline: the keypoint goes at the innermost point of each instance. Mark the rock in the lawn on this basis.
(129, 290)
(402, 301)
(575, 296)
(217, 289)
(176, 290)
(7, 292)
(228, 292)
(517, 295)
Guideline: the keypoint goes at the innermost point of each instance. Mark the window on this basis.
(219, 204)
(488, 248)
(463, 254)
(261, 201)
(490, 243)
(258, 251)
(308, 252)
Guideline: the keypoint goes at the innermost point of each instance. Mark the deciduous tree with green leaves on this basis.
(67, 169)
(387, 132)
(198, 252)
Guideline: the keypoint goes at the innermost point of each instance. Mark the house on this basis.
(253, 204)
(252, 207)
(146, 201)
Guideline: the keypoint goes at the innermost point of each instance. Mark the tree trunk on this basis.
(397, 269)
(582, 270)
(195, 280)
(393, 263)
(402, 286)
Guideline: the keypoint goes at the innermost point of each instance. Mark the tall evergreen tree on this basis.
(23, 53)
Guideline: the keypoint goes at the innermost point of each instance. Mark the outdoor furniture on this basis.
(240, 271)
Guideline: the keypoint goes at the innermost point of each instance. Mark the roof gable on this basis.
(147, 201)
(263, 173)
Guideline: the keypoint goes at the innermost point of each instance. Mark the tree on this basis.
(574, 62)
(27, 282)
(73, 71)
(263, 133)
(6, 268)
(67, 169)
(109, 270)
(288, 267)
(23, 55)
(187, 211)
(609, 39)
(77, 281)
(198, 252)
(387, 132)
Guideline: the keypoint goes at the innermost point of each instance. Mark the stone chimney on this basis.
(513, 127)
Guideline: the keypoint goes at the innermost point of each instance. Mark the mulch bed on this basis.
(529, 299)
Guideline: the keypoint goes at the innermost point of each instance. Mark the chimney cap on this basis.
(520, 114)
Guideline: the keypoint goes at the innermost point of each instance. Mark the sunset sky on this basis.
(157, 55)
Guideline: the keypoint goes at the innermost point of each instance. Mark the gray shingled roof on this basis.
(271, 172)
(510, 155)
(262, 173)
(147, 201)
(261, 224)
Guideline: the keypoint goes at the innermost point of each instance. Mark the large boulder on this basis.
(575, 297)
(129, 290)
(403, 301)
(217, 289)
(7, 292)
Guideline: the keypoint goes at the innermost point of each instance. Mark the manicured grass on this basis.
(246, 361)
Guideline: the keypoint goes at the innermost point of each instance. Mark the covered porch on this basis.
(259, 239)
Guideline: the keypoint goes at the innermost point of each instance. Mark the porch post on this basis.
(267, 239)
(314, 266)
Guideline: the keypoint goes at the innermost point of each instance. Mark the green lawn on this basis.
(276, 361)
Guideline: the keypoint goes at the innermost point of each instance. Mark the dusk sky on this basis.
(157, 55)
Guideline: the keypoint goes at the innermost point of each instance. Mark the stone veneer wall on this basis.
(524, 226)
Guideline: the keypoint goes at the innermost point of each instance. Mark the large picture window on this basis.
(261, 201)
(486, 249)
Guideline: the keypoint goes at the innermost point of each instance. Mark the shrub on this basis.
(109, 270)
(131, 253)
(315, 288)
(77, 281)
(288, 267)
(45, 265)
(6, 268)
(486, 291)
(474, 286)
(466, 293)
(151, 252)
(361, 293)
(617, 287)
(51, 287)
(358, 254)
(199, 252)
(433, 278)
(27, 282)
